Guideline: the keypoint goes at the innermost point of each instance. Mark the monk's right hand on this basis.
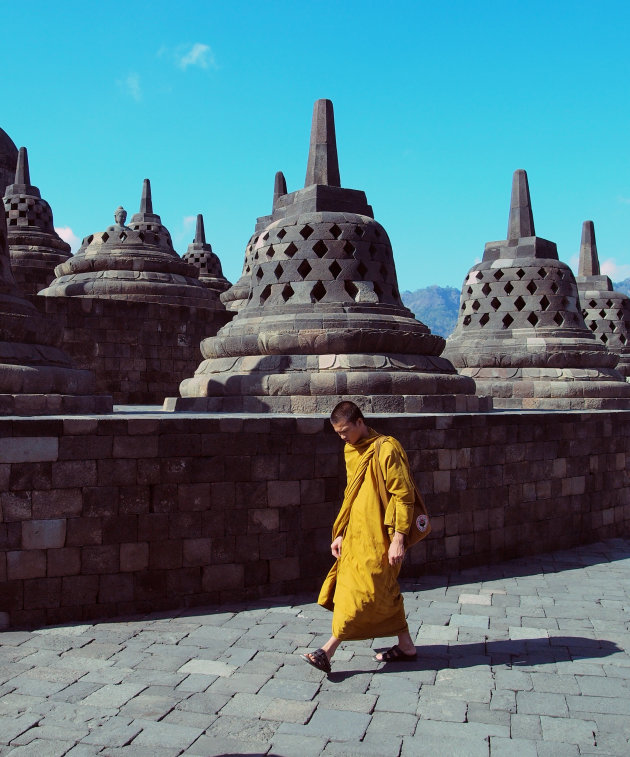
(335, 547)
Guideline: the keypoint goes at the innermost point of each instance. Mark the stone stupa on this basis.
(323, 319)
(606, 312)
(35, 247)
(200, 255)
(36, 377)
(520, 332)
(8, 160)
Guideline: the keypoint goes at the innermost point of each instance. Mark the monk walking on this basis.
(368, 543)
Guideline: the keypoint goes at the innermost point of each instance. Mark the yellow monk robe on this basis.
(362, 587)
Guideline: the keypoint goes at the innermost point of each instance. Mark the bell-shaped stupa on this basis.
(520, 332)
(8, 160)
(200, 255)
(35, 247)
(237, 295)
(135, 263)
(324, 320)
(36, 377)
(606, 312)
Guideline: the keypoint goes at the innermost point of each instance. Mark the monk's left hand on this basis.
(396, 550)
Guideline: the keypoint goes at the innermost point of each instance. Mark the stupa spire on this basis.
(589, 260)
(279, 186)
(200, 233)
(521, 222)
(323, 164)
(22, 173)
(146, 203)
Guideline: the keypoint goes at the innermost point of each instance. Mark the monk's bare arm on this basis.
(335, 547)
(396, 550)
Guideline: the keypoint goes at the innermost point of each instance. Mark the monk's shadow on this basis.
(510, 653)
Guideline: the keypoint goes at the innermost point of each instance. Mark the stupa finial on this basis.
(521, 223)
(323, 165)
(22, 173)
(200, 233)
(146, 203)
(279, 186)
(589, 259)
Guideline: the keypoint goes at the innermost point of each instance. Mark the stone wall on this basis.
(141, 512)
(139, 351)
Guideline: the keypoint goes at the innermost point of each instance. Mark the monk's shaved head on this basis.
(347, 412)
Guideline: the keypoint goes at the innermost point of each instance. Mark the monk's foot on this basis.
(396, 654)
(318, 659)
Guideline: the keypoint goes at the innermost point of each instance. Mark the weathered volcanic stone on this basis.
(34, 245)
(323, 319)
(606, 312)
(200, 255)
(36, 377)
(135, 262)
(8, 160)
(520, 332)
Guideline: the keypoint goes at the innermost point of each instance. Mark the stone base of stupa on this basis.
(551, 388)
(54, 404)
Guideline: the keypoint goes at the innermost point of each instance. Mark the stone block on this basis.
(134, 556)
(100, 559)
(263, 521)
(71, 473)
(165, 554)
(115, 588)
(283, 493)
(44, 534)
(83, 531)
(79, 590)
(26, 564)
(63, 562)
(40, 593)
(196, 552)
(284, 569)
(57, 503)
(28, 449)
(221, 577)
(15, 506)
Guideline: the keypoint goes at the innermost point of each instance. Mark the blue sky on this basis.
(436, 104)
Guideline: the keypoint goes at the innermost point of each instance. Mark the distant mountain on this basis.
(622, 286)
(435, 306)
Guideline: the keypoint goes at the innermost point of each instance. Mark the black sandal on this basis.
(318, 659)
(395, 654)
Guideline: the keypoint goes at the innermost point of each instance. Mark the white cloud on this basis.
(624, 200)
(198, 55)
(616, 271)
(130, 85)
(185, 233)
(66, 233)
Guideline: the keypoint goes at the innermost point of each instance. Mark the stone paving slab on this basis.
(530, 658)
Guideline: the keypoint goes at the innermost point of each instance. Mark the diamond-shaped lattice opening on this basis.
(122, 236)
(469, 290)
(622, 339)
(304, 269)
(105, 236)
(373, 251)
(351, 288)
(484, 319)
(542, 273)
(359, 231)
(593, 325)
(508, 288)
(320, 249)
(335, 231)
(532, 318)
(486, 289)
(592, 303)
(467, 320)
(270, 251)
(287, 292)
(498, 274)
(554, 287)
(476, 305)
(507, 321)
(519, 303)
(306, 231)
(377, 232)
(619, 313)
(612, 326)
(478, 275)
(362, 269)
(520, 273)
(609, 303)
(604, 338)
(602, 313)
(531, 287)
(318, 292)
(558, 319)
(264, 295)
(291, 250)
(348, 248)
(282, 233)
(256, 255)
(278, 271)
(496, 303)
(259, 274)
(378, 291)
(564, 302)
(335, 268)
(544, 302)
(247, 269)
(463, 306)
(560, 273)
(383, 270)
(265, 236)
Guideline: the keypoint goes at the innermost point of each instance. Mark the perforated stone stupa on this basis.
(35, 247)
(135, 262)
(36, 377)
(8, 160)
(200, 255)
(520, 332)
(606, 312)
(324, 320)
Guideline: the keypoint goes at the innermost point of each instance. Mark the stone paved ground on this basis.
(530, 658)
